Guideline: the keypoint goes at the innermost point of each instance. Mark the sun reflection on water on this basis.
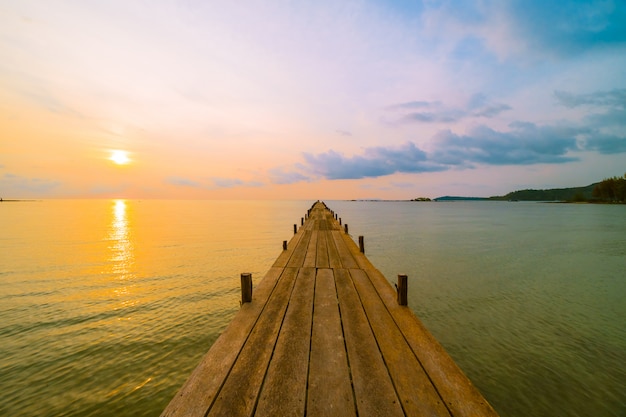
(121, 248)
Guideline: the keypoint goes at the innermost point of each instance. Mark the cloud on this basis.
(525, 144)
(343, 132)
(605, 144)
(375, 162)
(414, 105)
(185, 182)
(212, 183)
(614, 98)
(478, 106)
(448, 116)
(492, 110)
(282, 176)
(18, 184)
(612, 117)
(219, 182)
(610, 112)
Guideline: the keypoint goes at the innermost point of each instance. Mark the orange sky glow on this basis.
(318, 100)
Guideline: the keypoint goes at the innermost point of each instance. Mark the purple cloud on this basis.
(374, 162)
(478, 105)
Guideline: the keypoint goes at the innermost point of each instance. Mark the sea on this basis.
(106, 306)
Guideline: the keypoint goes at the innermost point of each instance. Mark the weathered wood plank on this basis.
(374, 391)
(311, 253)
(285, 255)
(330, 392)
(330, 220)
(310, 224)
(284, 388)
(239, 394)
(334, 261)
(417, 394)
(197, 394)
(347, 258)
(322, 250)
(297, 258)
(461, 397)
(360, 259)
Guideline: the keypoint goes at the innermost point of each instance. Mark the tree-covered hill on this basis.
(553, 194)
(609, 190)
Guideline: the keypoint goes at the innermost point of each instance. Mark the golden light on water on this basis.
(121, 247)
(119, 157)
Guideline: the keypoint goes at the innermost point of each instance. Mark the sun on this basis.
(119, 157)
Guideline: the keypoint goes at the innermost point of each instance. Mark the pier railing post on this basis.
(284, 245)
(246, 288)
(340, 221)
(402, 288)
(361, 244)
(346, 228)
(295, 229)
(301, 221)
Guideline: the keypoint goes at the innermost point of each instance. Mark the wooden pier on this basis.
(324, 335)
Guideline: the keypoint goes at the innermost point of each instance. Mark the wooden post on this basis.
(361, 244)
(246, 288)
(346, 228)
(340, 221)
(402, 289)
(295, 229)
(301, 221)
(284, 245)
(335, 216)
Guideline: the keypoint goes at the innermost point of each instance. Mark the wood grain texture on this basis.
(311, 254)
(417, 394)
(461, 396)
(330, 391)
(375, 394)
(242, 386)
(322, 250)
(299, 252)
(285, 386)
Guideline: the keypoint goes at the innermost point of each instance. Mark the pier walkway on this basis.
(324, 335)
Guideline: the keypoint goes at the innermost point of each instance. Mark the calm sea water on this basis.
(107, 306)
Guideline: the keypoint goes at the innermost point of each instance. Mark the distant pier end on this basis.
(325, 334)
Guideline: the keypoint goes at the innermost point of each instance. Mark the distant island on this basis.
(552, 194)
(459, 198)
(609, 190)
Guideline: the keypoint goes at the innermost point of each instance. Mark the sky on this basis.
(351, 99)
